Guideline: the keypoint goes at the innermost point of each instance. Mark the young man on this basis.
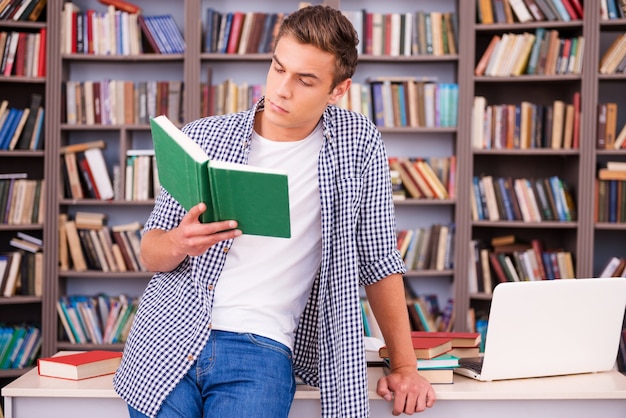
(228, 319)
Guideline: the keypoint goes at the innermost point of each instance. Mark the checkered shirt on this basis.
(173, 321)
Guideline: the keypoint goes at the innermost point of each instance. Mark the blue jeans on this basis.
(236, 375)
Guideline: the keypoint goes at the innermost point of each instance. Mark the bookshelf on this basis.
(17, 87)
(588, 241)
(606, 235)
(135, 74)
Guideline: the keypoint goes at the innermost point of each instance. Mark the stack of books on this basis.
(438, 353)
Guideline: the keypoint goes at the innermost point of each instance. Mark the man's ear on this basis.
(339, 91)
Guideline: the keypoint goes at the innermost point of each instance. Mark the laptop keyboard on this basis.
(472, 363)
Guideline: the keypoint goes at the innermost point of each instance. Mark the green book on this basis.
(257, 198)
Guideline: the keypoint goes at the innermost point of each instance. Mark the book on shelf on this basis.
(20, 345)
(78, 366)
(86, 172)
(615, 267)
(424, 347)
(257, 198)
(122, 5)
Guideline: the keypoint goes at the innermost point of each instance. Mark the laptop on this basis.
(549, 328)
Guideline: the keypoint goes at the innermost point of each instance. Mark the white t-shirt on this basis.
(266, 281)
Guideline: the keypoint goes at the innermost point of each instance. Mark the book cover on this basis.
(425, 348)
(257, 198)
(80, 366)
(458, 338)
(443, 361)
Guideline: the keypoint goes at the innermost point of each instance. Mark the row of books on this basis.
(392, 34)
(118, 32)
(22, 200)
(21, 270)
(615, 267)
(610, 194)
(408, 102)
(229, 97)
(423, 178)
(240, 32)
(516, 261)
(390, 102)
(23, 53)
(543, 52)
(526, 125)
(23, 11)
(142, 179)
(100, 319)
(85, 172)
(608, 135)
(511, 11)
(613, 60)
(427, 248)
(496, 198)
(427, 312)
(20, 346)
(22, 128)
(116, 102)
(612, 9)
(405, 34)
(87, 243)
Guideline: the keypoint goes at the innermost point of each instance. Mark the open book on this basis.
(257, 198)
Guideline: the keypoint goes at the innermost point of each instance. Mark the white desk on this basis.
(578, 396)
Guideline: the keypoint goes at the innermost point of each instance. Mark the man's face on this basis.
(298, 88)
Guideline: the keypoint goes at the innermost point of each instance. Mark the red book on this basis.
(578, 6)
(425, 348)
(459, 339)
(576, 134)
(150, 43)
(41, 71)
(89, 20)
(20, 54)
(88, 176)
(538, 249)
(570, 9)
(81, 365)
(497, 267)
(235, 32)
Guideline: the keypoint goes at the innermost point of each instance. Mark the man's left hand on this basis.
(409, 391)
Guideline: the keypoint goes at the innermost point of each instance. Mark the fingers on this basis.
(210, 228)
(382, 389)
(431, 398)
(194, 213)
(408, 398)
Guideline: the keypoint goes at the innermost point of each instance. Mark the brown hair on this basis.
(328, 29)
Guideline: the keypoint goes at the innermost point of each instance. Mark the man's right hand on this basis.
(165, 250)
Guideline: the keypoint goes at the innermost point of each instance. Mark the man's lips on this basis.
(277, 108)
